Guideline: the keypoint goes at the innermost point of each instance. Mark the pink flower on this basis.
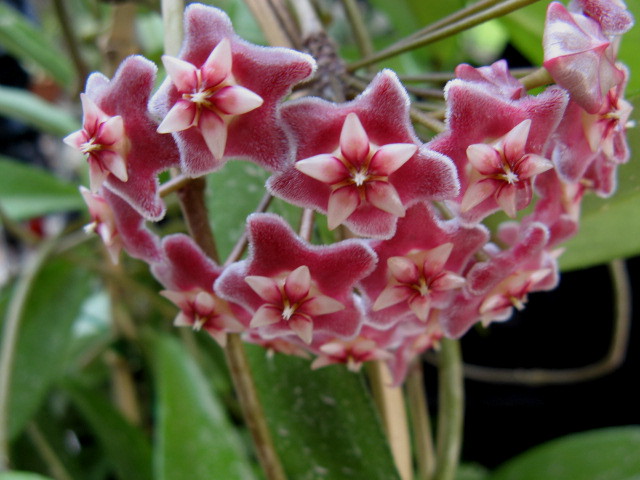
(189, 275)
(503, 172)
(120, 137)
(292, 288)
(360, 162)
(579, 57)
(420, 267)
(222, 95)
(495, 77)
(612, 15)
(103, 140)
(104, 223)
(353, 353)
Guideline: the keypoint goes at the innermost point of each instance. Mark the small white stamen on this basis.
(360, 178)
(198, 323)
(288, 312)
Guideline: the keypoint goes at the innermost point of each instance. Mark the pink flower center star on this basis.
(358, 172)
(104, 141)
(417, 278)
(209, 97)
(103, 224)
(503, 170)
(352, 353)
(292, 298)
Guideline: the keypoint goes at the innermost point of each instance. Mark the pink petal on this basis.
(435, 259)
(391, 157)
(266, 315)
(265, 287)
(217, 67)
(114, 163)
(180, 117)
(342, 203)
(354, 142)
(403, 269)
(321, 305)
(112, 132)
(97, 174)
(506, 198)
(477, 193)
(180, 299)
(236, 100)
(532, 165)
(303, 327)
(448, 281)
(183, 74)
(382, 195)
(204, 303)
(92, 115)
(515, 141)
(420, 306)
(76, 139)
(214, 131)
(392, 295)
(297, 284)
(324, 167)
(484, 158)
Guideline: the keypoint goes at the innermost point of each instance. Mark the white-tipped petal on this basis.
(516, 139)
(342, 203)
(265, 287)
(302, 327)
(390, 296)
(322, 305)
(354, 142)
(391, 157)
(180, 117)
(403, 269)
(214, 132)
(298, 284)
(265, 315)
(236, 100)
(384, 196)
(324, 167)
(183, 74)
(218, 65)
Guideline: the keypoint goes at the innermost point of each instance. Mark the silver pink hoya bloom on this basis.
(423, 266)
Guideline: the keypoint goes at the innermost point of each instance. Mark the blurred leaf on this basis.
(125, 445)
(525, 27)
(45, 337)
(195, 440)
(607, 454)
(27, 107)
(472, 471)
(19, 36)
(27, 191)
(22, 476)
(628, 52)
(610, 228)
(324, 423)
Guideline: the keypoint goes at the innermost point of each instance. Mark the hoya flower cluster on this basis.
(419, 264)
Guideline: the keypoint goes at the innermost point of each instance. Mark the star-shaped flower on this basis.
(579, 57)
(295, 288)
(361, 162)
(189, 275)
(503, 172)
(124, 150)
(419, 267)
(222, 95)
(120, 226)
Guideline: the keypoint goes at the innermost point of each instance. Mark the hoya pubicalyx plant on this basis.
(418, 263)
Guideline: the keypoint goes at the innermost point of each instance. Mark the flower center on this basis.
(90, 146)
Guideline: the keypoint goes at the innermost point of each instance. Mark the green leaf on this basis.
(610, 228)
(125, 445)
(25, 40)
(27, 191)
(22, 476)
(195, 440)
(525, 27)
(29, 108)
(45, 337)
(324, 423)
(607, 454)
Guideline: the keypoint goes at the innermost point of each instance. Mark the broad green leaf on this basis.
(607, 454)
(195, 439)
(324, 423)
(126, 447)
(234, 193)
(610, 228)
(27, 191)
(44, 338)
(29, 108)
(22, 476)
(25, 40)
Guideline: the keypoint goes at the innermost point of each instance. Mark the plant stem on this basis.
(270, 23)
(390, 401)
(68, 33)
(537, 78)
(360, 31)
(10, 335)
(451, 410)
(55, 466)
(172, 24)
(444, 32)
(419, 409)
